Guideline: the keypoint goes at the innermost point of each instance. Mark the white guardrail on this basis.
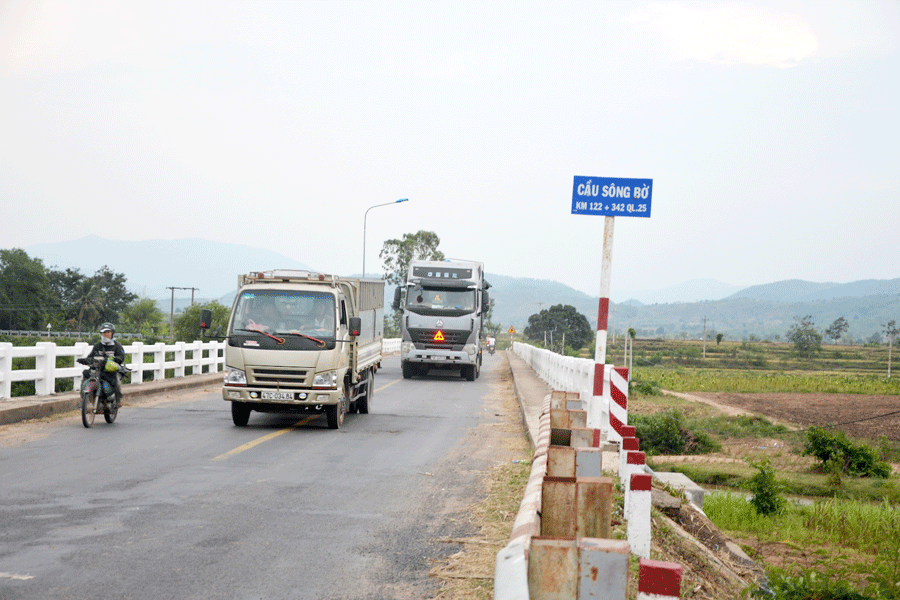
(199, 356)
(560, 372)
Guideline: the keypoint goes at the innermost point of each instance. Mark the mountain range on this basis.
(194, 266)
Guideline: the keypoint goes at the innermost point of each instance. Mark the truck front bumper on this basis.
(300, 399)
(468, 356)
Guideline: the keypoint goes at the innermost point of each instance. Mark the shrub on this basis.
(834, 447)
(667, 433)
(767, 498)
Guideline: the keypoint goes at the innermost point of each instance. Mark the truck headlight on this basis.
(470, 349)
(326, 380)
(407, 347)
(235, 377)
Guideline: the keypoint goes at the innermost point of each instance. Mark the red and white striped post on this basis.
(599, 398)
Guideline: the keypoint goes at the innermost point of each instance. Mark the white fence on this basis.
(560, 372)
(45, 372)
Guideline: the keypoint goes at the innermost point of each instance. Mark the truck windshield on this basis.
(441, 301)
(297, 315)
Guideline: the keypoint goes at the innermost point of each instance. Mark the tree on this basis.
(561, 320)
(890, 330)
(719, 338)
(807, 341)
(24, 291)
(88, 302)
(115, 295)
(837, 329)
(187, 325)
(396, 254)
(142, 316)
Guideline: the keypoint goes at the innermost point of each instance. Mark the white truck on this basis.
(441, 326)
(299, 341)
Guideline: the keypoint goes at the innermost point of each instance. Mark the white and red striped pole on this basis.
(599, 398)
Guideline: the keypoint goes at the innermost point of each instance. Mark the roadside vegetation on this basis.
(818, 509)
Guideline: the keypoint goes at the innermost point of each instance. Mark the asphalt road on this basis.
(173, 501)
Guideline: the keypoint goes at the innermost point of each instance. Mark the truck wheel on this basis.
(408, 370)
(365, 401)
(468, 372)
(240, 414)
(334, 414)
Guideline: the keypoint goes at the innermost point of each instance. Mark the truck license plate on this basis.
(277, 395)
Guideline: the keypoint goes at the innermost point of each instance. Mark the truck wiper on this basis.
(321, 343)
(277, 339)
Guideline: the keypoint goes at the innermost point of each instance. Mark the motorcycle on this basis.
(98, 396)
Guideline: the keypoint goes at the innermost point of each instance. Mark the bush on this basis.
(834, 448)
(667, 433)
(767, 498)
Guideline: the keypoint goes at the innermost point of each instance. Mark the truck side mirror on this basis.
(397, 295)
(485, 302)
(355, 326)
(205, 318)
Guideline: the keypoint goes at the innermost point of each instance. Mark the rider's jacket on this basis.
(115, 350)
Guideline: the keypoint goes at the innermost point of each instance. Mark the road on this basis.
(173, 501)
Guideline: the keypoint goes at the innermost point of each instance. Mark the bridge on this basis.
(577, 452)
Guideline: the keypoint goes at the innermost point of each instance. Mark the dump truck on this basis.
(300, 341)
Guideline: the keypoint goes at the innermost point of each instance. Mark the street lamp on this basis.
(365, 216)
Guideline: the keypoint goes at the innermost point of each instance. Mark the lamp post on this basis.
(365, 216)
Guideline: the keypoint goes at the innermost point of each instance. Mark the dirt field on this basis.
(868, 417)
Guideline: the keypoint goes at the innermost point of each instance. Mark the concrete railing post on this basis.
(639, 527)
(658, 580)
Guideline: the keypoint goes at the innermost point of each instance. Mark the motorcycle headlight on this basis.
(235, 377)
(326, 380)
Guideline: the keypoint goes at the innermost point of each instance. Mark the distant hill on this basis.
(764, 311)
(795, 290)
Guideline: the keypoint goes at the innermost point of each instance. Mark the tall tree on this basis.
(142, 316)
(837, 329)
(24, 291)
(115, 295)
(88, 301)
(395, 254)
(560, 320)
(63, 288)
(807, 341)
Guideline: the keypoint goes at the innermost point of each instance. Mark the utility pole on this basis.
(704, 337)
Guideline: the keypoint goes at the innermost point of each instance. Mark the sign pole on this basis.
(603, 313)
(608, 197)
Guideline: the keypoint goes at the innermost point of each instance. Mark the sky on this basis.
(771, 131)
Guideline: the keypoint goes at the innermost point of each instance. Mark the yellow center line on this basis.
(387, 385)
(264, 438)
(275, 434)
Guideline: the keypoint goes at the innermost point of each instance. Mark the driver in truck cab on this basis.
(265, 317)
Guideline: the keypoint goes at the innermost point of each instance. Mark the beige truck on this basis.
(306, 342)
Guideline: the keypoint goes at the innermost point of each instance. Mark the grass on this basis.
(840, 531)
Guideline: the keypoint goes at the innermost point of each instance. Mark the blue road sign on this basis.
(611, 196)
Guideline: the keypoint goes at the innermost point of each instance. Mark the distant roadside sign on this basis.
(611, 196)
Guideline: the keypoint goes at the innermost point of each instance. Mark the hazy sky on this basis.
(771, 131)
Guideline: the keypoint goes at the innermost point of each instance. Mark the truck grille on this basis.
(424, 339)
(279, 377)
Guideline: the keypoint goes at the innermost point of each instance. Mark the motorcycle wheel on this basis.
(88, 403)
(111, 411)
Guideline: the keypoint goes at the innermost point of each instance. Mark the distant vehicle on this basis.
(441, 327)
(299, 341)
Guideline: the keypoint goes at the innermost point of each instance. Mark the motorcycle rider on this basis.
(109, 347)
